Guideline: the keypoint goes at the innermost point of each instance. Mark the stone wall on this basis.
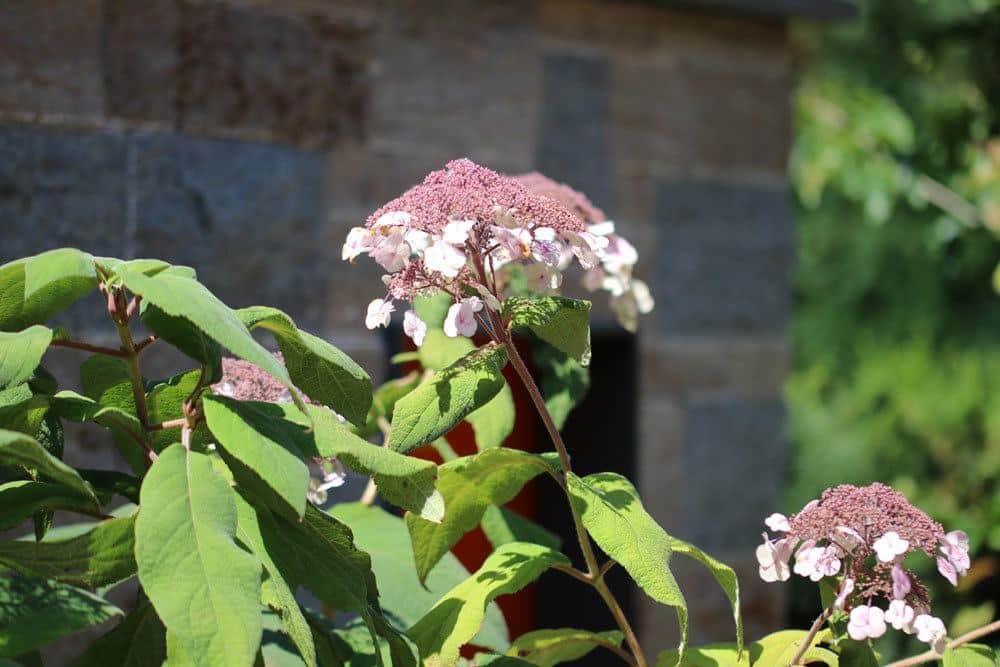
(245, 137)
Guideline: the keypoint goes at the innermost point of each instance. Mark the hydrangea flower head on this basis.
(863, 536)
(464, 228)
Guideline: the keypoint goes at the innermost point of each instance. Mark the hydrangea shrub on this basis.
(220, 520)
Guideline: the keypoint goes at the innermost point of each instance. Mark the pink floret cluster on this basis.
(465, 229)
(861, 536)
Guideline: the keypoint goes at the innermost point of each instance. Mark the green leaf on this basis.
(319, 553)
(469, 486)
(384, 401)
(613, 514)
(261, 444)
(493, 422)
(546, 648)
(710, 655)
(857, 654)
(433, 408)
(492, 660)
(384, 537)
(100, 557)
(186, 525)
(778, 648)
(21, 352)
(561, 322)
(138, 641)
(563, 380)
(404, 481)
(18, 449)
(433, 309)
(183, 334)
(22, 410)
(165, 402)
(76, 408)
(276, 592)
(106, 380)
(969, 655)
(456, 618)
(503, 525)
(35, 612)
(440, 350)
(34, 289)
(180, 296)
(319, 369)
(19, 500)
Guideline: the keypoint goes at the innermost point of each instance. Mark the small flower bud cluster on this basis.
(465, 225)
(863, 535)
(245, 381)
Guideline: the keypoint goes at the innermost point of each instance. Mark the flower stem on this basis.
(931, 655)
(808, 639)
(593, 570)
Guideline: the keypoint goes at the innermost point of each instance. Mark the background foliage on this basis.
(896, 168)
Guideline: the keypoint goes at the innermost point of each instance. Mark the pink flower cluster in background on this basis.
(863, 535)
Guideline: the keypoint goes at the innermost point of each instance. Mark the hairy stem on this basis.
(138, 389)
(808, 639)
(593, 570)
(931, 655)
(87, 347)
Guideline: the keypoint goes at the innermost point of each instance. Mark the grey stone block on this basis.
(723, 258)
(734, 457)
(249, 217)
(573, 140)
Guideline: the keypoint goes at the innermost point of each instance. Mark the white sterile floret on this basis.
(444, 258)
(866, 622)
(379, 313)
(359, 241)
(414, 327)
(778, 523)
(901, 616)
(392, 252)
(889, 546)
(845, 589)
(456, 232)
(461, 318)
(931, 630)
(772, 559)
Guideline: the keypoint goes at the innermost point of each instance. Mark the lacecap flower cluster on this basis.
(863, 535)
(465, 228)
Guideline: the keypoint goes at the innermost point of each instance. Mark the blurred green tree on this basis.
(896, 168)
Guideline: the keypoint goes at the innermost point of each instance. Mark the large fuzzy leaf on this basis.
(502, 525)
(261, 450)
(384, 537)
(456, 618)
(36, 288)
(35, 612)
(101, 556)
(322, 371)
(435, 407)
(613, 514)
(21, 352)
(18, 449)
(469, 486)
(561, 322)
(563, 380)
(187, 524)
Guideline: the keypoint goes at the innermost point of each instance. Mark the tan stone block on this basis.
(50, 57)
(750, 366)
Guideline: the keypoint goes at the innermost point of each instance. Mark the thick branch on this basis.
(808, 639)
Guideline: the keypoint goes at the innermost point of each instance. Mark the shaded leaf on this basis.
(469, 486)
(969, 655)
(493, 422)
(561, 322)
(35, 612)
(20, 499)
(319, 369)
(435, 407)
(546, 648)
(711, 655)
(456, 618)
(99, 557)
(22, 410)
(187, 523)
(384, 537)
(563, 380)
(18, 449)
(138, 641)
(778, 648)
(502, 525)
(21, 352)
